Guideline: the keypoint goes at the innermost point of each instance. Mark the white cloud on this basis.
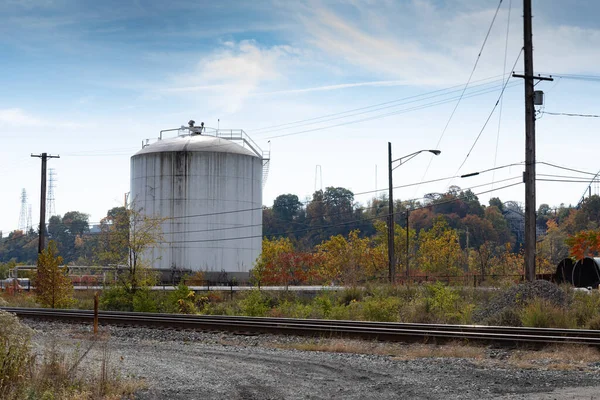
(17, 117)
(236, 71)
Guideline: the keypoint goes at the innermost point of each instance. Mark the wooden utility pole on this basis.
(529, 177)
(530, 236)
(391, 264)
(44, 157)
(407, 247)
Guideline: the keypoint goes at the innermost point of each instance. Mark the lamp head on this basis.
(436, 152)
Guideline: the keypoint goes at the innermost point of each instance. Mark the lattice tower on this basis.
(23, 214)
(29, 222)
(50, 206)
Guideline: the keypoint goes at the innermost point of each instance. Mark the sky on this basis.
(324, 84)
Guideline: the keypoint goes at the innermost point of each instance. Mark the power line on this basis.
(340, 224)
(565, 168)
(572, 114)
(420, 107)
(367, 107)
(489, 116)
(502, 99)
(466, 85)
(399, 102)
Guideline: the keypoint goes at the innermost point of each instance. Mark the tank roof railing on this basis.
(229, 134)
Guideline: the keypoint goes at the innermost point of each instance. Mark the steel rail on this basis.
(331, 328)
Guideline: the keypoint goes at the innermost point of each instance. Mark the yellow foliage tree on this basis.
(439, 250)
(53, 288)
(508, 263)
(351, 260)
(400, 247)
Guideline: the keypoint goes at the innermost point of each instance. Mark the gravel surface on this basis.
(205, 365)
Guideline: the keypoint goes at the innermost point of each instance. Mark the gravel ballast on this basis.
(215, 365)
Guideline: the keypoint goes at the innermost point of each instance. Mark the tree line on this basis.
(476, 234)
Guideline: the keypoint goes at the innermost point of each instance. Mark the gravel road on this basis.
(203, 365)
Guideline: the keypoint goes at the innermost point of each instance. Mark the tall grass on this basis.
(55, 374)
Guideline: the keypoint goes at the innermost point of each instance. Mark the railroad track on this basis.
(386, 331)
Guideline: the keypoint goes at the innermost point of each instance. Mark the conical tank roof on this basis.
(196, 143)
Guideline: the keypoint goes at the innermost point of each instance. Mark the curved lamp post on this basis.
(401, 160)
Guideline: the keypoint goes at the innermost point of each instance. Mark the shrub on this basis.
(542, 314)
(585, 306)
(381, 309)
(255, 304)
(116, 298)
(15, 357)
(349, 294)
(446, 304)
(594, 323)
(507, 317)
(144, 301)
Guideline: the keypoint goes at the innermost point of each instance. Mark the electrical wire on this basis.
(565, 168)
(489, 116)
(466, 85)
(340, 224)
(572, 114)
(403, 111)
(502, 99)
(407, 100)
(313, 217)
(256, 131)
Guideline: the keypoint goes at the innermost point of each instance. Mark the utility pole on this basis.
(44, 157)
(529, 146)
(407, 247)
(391, 264)
(529, 177)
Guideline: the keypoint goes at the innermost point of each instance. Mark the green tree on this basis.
(53, 288)
(286, 207)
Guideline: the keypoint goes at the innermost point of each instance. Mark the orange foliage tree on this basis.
(280, 264)
(584, 244)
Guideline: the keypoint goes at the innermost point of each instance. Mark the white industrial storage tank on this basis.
(207, 184)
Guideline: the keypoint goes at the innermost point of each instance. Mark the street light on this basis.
(401, 160)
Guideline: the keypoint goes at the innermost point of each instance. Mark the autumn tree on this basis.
(127, 240)
(439, 250)
(400, 246)
(584, 244)
(53, 288)
(553, 246)
(271, 250)
(352, 260)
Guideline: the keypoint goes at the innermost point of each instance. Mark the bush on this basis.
(585, 306)
(116, 298)
(15, 357)
(255, 304)
(349, 294)
(144, 301)
(542, 314)
(381, 309)
(507, 317)
(594, 323)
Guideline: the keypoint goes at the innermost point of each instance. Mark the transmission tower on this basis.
(51, 210)
(23, 214)
(29, 222)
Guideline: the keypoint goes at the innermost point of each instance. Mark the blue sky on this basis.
(90, 80)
